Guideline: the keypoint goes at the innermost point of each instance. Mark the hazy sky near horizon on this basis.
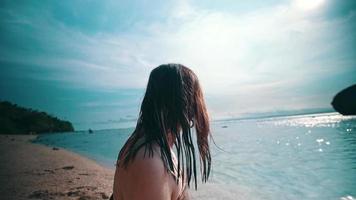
(89, 61)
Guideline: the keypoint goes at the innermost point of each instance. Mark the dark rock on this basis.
(49, 171)
(345, 101)
(92, 188)
(39, 194)
(68, 167)
(76, 193)
(55, 149)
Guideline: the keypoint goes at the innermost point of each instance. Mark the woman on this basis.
(147, 167)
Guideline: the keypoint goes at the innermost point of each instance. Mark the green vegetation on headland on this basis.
(19, 120)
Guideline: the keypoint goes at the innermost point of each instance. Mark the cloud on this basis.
(265, 58)
(248, 61)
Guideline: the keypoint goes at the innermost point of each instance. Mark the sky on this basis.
(89, 61)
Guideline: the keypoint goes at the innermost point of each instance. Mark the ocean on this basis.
(293, 157)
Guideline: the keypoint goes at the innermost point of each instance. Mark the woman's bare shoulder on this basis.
(145, 177)
(146, 161)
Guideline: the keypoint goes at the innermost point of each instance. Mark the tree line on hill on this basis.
(15, 119)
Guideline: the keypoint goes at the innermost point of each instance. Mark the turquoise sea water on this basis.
(298, 157)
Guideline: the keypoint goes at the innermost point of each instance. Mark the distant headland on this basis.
(15, 119)
(345, 101)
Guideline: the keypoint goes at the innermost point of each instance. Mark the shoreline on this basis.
(35, 171)
(104, 164)
(32, 171)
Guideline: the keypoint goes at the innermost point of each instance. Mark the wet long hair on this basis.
(173, 104)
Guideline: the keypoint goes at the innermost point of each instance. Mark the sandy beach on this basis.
(33, 171)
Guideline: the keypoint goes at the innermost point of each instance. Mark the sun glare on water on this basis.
(308, 5)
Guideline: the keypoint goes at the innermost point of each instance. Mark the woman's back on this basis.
(147, 178)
